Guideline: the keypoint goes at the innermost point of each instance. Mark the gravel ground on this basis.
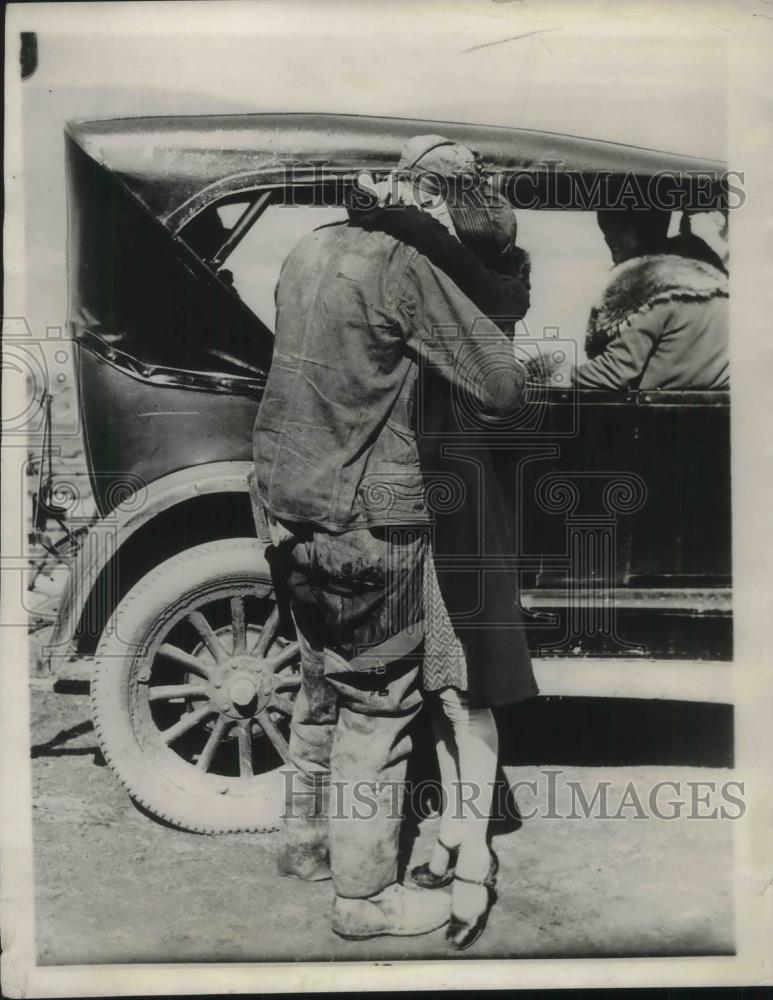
(113, 885)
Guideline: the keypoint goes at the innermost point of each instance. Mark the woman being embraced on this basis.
(441, 202)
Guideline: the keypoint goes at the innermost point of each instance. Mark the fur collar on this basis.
(643, 282)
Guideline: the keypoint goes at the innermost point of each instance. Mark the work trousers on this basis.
(356, 603)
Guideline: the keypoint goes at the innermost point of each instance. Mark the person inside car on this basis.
(662, 321)
(338, 471)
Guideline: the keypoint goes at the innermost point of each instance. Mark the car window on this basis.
(570, 261)
(570, 265)
(230, 213)
(253, 266)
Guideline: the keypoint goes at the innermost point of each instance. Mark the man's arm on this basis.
(448, 332)
(498, 283)
(623, 361)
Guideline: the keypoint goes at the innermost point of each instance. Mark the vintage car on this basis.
(177, 230)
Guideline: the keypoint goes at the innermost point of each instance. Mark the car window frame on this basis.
(224, 193)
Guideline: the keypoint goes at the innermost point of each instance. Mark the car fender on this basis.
(112, 534)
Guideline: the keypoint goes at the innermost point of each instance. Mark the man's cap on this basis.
(484, 221)
(434, 154)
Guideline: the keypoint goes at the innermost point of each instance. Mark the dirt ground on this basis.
(113, 885)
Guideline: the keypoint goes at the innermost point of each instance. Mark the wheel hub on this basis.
(241, 688)
(242, 691)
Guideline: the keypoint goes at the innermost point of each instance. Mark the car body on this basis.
(171, 364)
(177, 230)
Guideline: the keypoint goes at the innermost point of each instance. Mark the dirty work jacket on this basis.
(334, 443)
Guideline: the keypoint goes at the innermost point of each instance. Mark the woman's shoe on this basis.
(424, 876)
(460, 933)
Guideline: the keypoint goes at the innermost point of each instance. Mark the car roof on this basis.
(167, 160)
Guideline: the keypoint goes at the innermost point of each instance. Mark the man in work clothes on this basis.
(337, 469)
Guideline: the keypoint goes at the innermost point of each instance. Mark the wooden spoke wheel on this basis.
(193, 688)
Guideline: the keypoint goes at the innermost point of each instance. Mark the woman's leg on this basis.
(477, 747)
(445, 747)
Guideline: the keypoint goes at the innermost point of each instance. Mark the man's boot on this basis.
(305, 832)
(397, 910)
